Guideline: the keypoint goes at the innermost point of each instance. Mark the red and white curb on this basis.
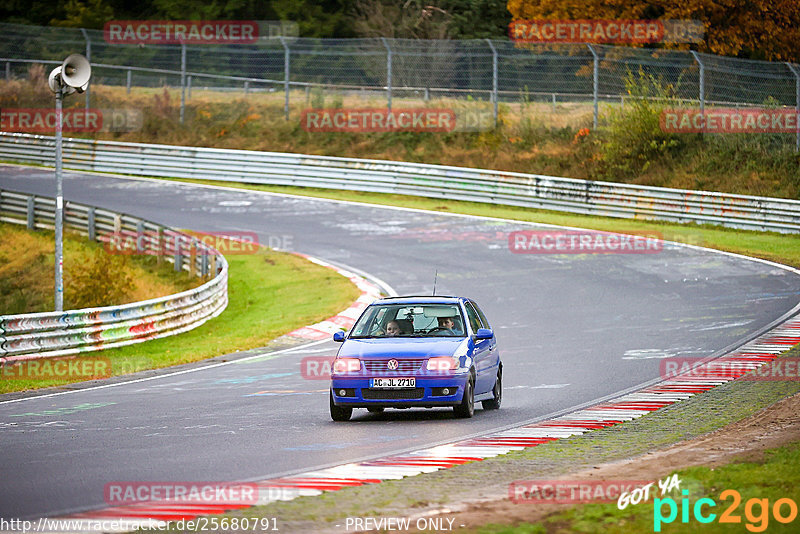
(344, 319)
(749, 356)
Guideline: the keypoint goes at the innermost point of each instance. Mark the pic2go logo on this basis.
(756, 511)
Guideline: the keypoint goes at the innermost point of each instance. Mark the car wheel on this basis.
(497, 394)
(375, 409)
(466, 409)
(339, 413)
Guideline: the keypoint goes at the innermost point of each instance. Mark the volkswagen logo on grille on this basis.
(392, 365)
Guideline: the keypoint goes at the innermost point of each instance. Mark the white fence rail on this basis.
(40, 335)
(457, 183)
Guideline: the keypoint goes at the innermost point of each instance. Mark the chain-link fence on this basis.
(388, 71)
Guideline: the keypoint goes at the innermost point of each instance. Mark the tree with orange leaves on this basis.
(755, 29)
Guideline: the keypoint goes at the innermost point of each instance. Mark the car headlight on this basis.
(346, 365)
(442, 363)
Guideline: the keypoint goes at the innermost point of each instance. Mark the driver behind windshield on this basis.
(393, 329)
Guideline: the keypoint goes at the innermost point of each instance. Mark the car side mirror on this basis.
(338, 336)
(484, 333)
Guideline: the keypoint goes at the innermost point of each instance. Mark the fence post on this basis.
(494, 78)
(796, 73)
(188, 87)
(286, 70)
(595, 83)
(128, 81)
(246, 87)
(388, 73)
(702, 94)
(183, 79)
(8, 70)
(89, 59)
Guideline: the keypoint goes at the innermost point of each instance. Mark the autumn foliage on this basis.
(756, 29)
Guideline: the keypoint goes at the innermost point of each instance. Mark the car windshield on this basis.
(410, 320)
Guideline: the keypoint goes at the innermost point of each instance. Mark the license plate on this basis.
(392, 383)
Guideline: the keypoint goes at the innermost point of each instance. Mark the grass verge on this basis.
(759, 486)
(92, 278)
(269, 294)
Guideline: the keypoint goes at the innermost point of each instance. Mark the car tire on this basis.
(339, 413)
(375, 409)
(497, 392)
(466, 409)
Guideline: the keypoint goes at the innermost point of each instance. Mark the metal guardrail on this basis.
(438, 181)
(41, 335)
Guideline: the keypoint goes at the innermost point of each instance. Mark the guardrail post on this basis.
(193, 258)
(90, 224)
(183, 79)
(702, 91)
(128, 81)
(8, 70)
(160, 248)
(89, 59)
(178, 256)
(188, 87)
(140, 241)
(204, 263)
(554, 102)
(388, 73)
(246, 87)
(31, 213)
(595, 83)
(286, 65)
(494, 78)
(796, 73)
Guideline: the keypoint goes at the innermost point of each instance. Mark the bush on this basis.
(103, 280)
(633, 139)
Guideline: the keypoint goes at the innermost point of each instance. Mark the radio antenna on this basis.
(435, 276)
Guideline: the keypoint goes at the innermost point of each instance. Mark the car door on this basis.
(483, 353)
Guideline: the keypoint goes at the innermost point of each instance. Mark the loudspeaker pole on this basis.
(59, 260)
(73, 75)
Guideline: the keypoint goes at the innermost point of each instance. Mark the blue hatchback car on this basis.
(406, 352)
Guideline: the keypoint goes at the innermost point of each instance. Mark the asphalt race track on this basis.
(571, 329)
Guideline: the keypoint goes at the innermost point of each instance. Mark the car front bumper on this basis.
(428, 393)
